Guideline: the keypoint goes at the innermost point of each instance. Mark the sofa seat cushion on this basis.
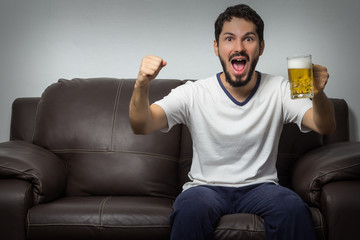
(240, 226)
(101, 218)
(250, 226)
(131, 218)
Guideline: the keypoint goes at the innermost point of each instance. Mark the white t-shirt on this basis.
(234, 143)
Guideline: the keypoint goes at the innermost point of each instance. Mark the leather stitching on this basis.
(31, 178)
(118, 93)
(115, 151)
(101, 209)
(35, 122)
(95, 225)
(314, 182)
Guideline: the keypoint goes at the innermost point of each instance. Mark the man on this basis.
(235, 119)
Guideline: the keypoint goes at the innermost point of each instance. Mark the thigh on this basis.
(267, 198)
(203, 198)
(285, 214)
(196, 213)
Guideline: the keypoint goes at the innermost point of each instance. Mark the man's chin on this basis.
(238, 80)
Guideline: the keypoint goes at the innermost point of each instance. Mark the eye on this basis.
(228, 39)
(249, 39)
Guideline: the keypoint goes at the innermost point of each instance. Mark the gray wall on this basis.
(44, 40)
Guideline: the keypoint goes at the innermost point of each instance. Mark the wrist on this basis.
(318, 93)
(140, 85)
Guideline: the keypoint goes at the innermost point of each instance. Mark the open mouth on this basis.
(238, 65)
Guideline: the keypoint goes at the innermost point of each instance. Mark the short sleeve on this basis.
(176, 105)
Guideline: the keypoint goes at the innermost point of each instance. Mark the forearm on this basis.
(139, 109)
(143, 118)
(323, 113)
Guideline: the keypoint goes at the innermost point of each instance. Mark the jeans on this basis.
(197, 211)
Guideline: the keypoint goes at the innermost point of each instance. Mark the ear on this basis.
(216, 48)
(262, 47)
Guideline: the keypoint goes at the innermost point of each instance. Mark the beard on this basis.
(238, 82)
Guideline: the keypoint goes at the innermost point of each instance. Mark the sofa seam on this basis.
(101, 209)
(27, 192)
(28, 212)
(35, 122)
(135, 226)
(254, 222)
(149, 154)
(28, 224)
(40, 188)
(237, 229)
(324, 174)
(116, 104)
(185, 158)
(114, 151)
(329, 172)
(79, 150)
(96, 225)
(322, 225)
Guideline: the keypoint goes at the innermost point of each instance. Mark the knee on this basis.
(196, 211)
(291, 201)
(291, 219)
(199, 202)
(195, 199)
(291, 206)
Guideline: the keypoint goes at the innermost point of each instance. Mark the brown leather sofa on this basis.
(73, 169)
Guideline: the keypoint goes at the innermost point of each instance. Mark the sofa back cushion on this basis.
(23, 115)
(86, 122)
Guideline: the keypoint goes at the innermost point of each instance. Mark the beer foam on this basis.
(299, 63)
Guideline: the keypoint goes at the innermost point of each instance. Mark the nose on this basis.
(239, 46)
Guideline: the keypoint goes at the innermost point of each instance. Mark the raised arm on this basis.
(320, 117)
(144, 118)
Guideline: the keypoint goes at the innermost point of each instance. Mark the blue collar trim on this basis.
(248, 98)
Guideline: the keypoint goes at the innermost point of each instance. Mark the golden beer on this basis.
(300, 77)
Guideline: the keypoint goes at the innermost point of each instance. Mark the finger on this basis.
(155, 62)
(150, 70)
(153, 59)
(147, 71)
(320, 71)
(319, 68)
(149, 67)
(164, 63)
(321, 74)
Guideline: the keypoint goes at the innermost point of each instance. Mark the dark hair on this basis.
(239, 11)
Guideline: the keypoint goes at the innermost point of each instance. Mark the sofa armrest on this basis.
(341, 209)
(16, 197)
(43, 169)
(330, 163)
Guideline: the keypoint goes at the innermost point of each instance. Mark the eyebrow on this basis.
(246, 34)
(228, 33)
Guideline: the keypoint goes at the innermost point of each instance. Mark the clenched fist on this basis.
(149, 69)
(321, 77)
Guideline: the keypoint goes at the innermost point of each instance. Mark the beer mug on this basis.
(300, 76)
